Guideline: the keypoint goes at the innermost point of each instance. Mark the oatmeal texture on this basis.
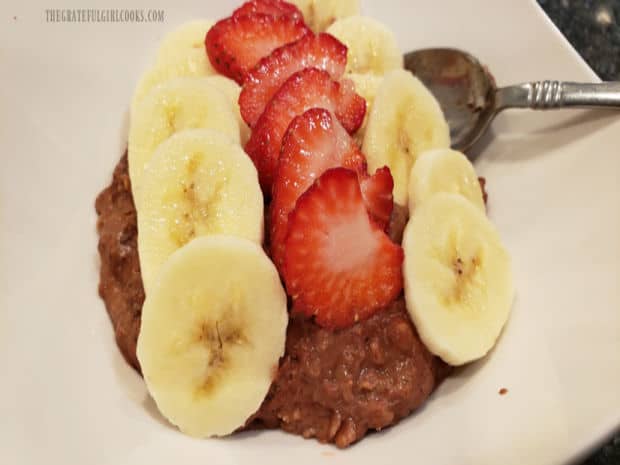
(332, 386)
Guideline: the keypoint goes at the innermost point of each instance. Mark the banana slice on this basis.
(231, 91)
(213, 330)
(366, 85)
(443, 170)
(405, 120)
(186, 45)
(197, 183)
(181, 54)
(320, 14)
(372, 47)
(458, 279)
(173, 106)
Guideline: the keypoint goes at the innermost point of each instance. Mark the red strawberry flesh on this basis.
(314, 142)
(321, 51)
(306, 89)
(234, 45)
(269, 7)
(339, 267)
(377, 191)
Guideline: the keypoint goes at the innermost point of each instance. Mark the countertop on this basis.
(593, 28)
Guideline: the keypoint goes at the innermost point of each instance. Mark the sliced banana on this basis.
(231, 91)
(320, 14)
(458, 279)
(175, 105)
(181, 54)
(186, 44)
(443, 170)
(366, 85)
(198, 183)
(372, 47)
(213, 330)
(404, 121)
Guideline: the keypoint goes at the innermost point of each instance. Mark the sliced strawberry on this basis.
(314, 142)
(269, 7)
(339, 266)
(377, 191)
(234, 45)
(321, 51)
(306, 89)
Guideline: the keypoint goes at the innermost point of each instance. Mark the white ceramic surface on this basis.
(66, 396)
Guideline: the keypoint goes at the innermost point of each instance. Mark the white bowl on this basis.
(66, 395)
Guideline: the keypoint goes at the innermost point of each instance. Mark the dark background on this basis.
(593, 27)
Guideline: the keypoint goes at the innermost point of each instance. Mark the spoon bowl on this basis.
(470, 99)
(463, 87)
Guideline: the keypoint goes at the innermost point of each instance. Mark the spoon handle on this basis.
(549, 95)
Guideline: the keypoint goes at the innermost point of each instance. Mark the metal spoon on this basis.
(470, 99)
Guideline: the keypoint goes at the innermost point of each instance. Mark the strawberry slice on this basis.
(377, 191)
(314, 142)
(321, 51)
(339, 266)
(234, 45)
(269, 7)
(306, 89)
